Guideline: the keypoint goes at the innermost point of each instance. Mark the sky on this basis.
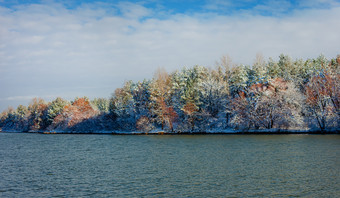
(72, 48)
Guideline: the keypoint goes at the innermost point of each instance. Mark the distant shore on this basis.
(229, 132)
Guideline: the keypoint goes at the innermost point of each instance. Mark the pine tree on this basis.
(55, 108)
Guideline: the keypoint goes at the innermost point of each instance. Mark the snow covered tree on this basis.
(191, 110)
(274, 71)
(260, 69)
(21, 115)
(38, 114)
(9, 119)
(3, 117)
(238, 80)
(214, 97)
(335, 64)
(273, 105)
(73, 115)
(287, 68)
(281, 106)
(283, 94)
(160, 95)
(123, 104)
(144, 124)
(55, 108)
(101, 104)
(222, 75)
(122, 107)
(186, 94)
(322, 97)
(141, 94)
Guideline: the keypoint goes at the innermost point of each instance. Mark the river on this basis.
(38, 165)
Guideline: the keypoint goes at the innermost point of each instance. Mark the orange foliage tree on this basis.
(160, 96)
(80, 110)
(191, 110)
(37, 114)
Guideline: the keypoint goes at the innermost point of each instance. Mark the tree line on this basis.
(285, 94)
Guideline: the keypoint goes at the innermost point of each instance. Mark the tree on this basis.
(322, 97)
(144, 124)
(122, 107)
(8, 118)
(273, 105)
(224, 67)
(191, 110)
(123, 104)
(73, 115)
(274, 71)
(238, 80)
(186, 93)
(101, 104)
(259, 67)
(141, 95)
(21, 118)
(335, 64)
(160, 96)
(37, 114)
(3, 117)
(214, 97)
(283, 94)
(287, 69)
(55, 108)
(82, 110)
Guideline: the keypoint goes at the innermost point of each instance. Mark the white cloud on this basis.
(48, 49)
(318, 3)
(25, 97)
(133, 11)
(267, 7)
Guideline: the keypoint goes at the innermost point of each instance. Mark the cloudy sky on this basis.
(89, 48)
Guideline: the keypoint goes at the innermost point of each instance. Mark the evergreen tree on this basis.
(238, 80)
(101, 104)
(55, 108)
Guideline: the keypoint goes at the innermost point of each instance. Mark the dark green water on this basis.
(36, 165)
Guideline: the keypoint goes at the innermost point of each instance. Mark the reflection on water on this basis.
(169, 166)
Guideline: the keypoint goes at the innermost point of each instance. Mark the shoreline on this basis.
(236, 132)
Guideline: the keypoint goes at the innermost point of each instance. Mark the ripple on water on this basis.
(34, 165)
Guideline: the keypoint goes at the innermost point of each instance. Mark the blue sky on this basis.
(189, 7)
(89, 48)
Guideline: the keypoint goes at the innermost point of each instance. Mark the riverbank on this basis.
(221, 132)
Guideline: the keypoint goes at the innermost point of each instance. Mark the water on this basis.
(37, 165)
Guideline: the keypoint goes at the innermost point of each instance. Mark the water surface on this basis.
(37, 165)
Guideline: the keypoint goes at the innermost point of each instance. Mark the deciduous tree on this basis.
(37, 114)
(322, 97)
(160, 96)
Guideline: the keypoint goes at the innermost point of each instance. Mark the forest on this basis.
(287, 94)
